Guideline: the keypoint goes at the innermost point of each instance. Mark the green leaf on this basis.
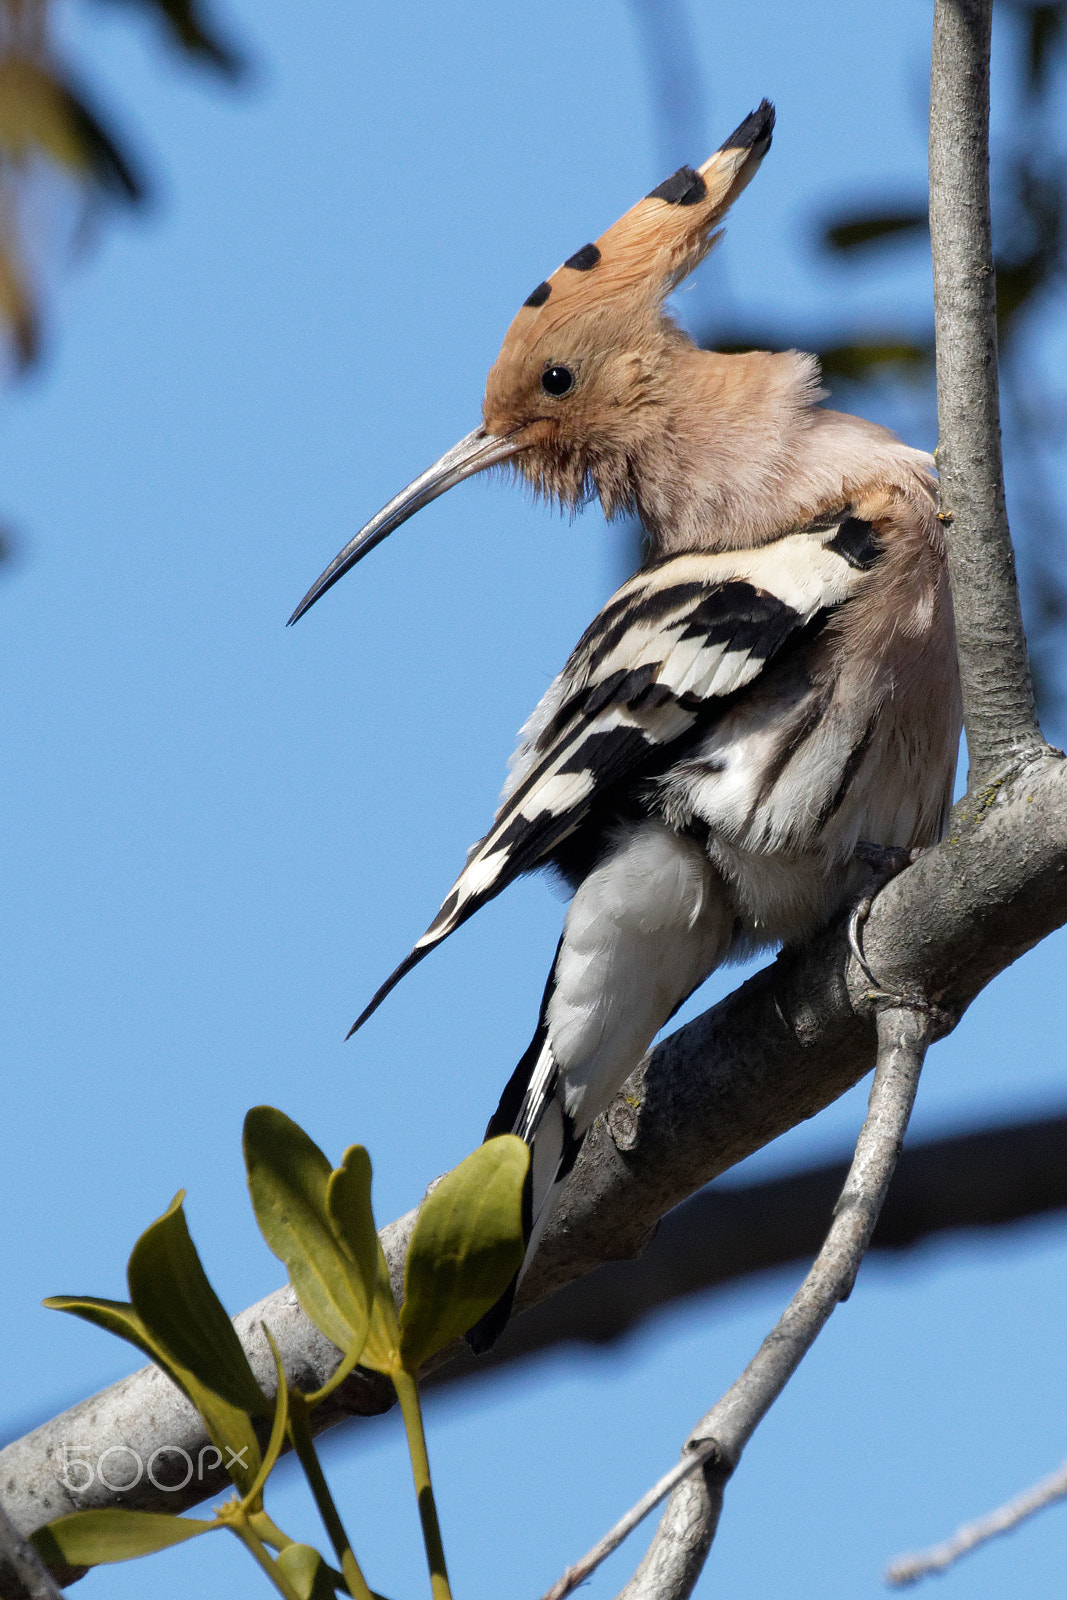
(348, 1206)
(277, 1432)
(307, 1572)
(229, 1428)
(267, 1531)
(184, 1316)
(466, 1246)
(114, 1316)
(381, 1348)
(91, 1538)
(287, 1179)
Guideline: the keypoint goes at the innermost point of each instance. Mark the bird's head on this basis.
(584, 370)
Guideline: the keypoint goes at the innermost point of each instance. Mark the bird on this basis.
(770, 698)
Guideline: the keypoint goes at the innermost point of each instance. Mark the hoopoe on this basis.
(775, 688)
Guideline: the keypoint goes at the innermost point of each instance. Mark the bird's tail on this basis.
(531, 1106)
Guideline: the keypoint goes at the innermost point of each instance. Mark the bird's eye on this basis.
(557, 380)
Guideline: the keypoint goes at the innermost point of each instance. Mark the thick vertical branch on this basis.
(998, 699)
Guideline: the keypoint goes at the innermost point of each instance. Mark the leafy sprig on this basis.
(465, 1248)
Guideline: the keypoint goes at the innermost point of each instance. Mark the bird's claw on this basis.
(885, 861)
(858, 916)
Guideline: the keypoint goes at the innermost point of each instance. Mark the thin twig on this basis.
(679, 1548)
(681, 1470)
(910, 1568)
(677, 1552)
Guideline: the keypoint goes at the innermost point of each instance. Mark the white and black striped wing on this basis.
(661, 661)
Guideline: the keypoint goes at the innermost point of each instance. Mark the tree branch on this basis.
(990, 1177)
(797, 1035)
(909, 1569)
(785, 1044)
(22, 1572)
(998, 698)
(676, 1556)
(698, 1453)
(987, 1178)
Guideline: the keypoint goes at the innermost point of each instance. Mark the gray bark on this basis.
(798, 1034)
(998, 700)
(674, 1560)
(906, 1570)
(988, 1178)
(1003, 736)
(22, 1572)
(787, 1043)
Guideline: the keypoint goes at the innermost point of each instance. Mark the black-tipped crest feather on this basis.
(755, 131)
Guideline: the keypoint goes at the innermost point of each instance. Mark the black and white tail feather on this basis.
(681, 719)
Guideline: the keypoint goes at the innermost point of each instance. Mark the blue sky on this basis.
(220, 835)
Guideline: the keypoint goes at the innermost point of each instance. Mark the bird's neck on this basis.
(744, 451)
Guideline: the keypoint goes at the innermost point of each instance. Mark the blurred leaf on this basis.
(91, 1538)
(35, 116)
(17, 308)
(41, 115)
(1029, 237)
(287, 1179)
(9, 541)
(860, 362)
(852, 233)
(307, 1572)
(466, 1246)
(229, 1427)
(113, 168)
(1044, 32)
(184, 1316)
(190, 27)
(1016, 287)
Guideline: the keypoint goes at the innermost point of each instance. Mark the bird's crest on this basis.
(655, 244)
(576, 393)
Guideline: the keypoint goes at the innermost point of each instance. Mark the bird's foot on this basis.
(884, 862)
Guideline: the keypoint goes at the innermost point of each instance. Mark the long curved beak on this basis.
(477, 451)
